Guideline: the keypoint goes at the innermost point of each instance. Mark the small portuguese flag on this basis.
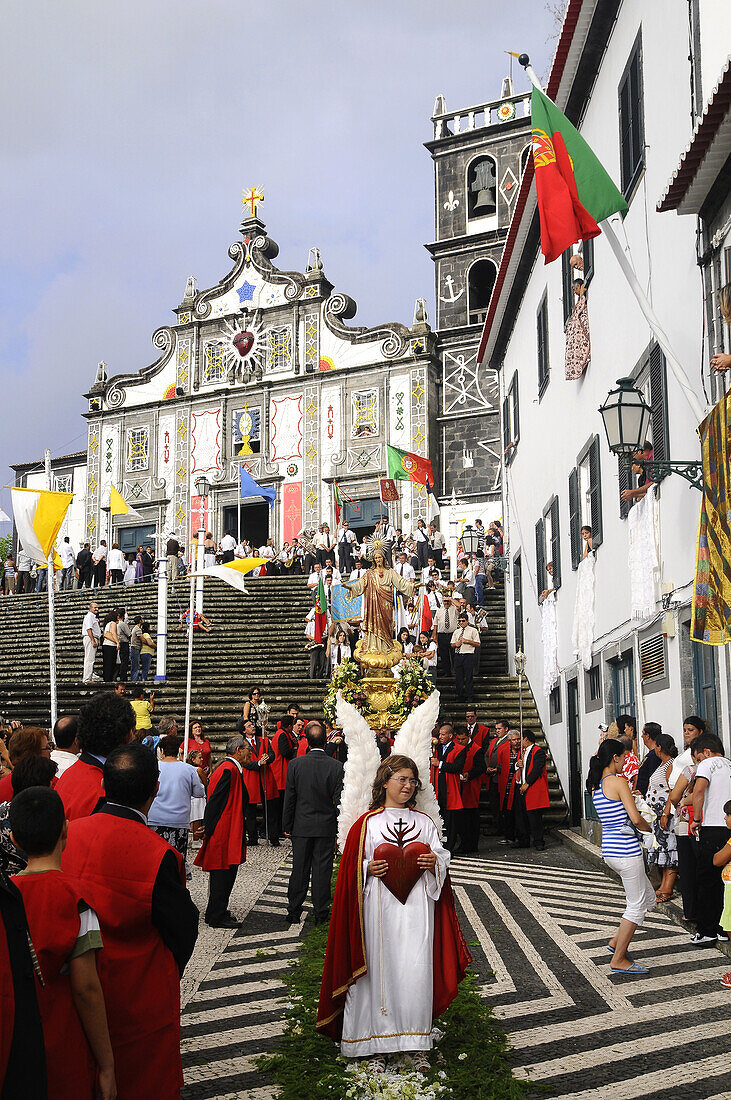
(405, 466)
(338, 497)
(573, 188)
(320, 612)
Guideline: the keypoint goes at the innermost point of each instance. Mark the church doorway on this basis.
(363, 515)
(129, 538)
(254, 522)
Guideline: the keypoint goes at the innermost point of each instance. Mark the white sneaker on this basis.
(697, 939)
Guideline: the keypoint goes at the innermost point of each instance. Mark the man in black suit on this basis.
(310, 817)
(84, 566)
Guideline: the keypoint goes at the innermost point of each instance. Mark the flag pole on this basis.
(51, 612)
(642, 300)
(189, 679)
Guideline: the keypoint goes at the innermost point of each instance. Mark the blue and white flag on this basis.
(250, 488)
(345, 606)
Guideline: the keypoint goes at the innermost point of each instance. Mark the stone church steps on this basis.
(256, 639)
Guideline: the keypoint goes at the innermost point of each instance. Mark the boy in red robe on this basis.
(532, 797)
(135, 882)
(22, 1055)
(473, 769)
(105, 722)
(65, 935)
(507, 756)
(224, 845)
(284, 746)
(261, 786)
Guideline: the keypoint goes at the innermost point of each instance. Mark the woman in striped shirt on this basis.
(621, 851)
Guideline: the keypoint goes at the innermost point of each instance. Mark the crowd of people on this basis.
(668, 817)
(125, 641)
(425, 548)
(107, 800)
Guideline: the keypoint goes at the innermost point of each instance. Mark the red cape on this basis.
(345, 956)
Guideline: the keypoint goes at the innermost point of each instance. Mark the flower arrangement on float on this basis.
(412, 687)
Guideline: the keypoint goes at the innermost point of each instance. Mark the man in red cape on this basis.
(345, 957)
(135, 882)
(224, 847)
(105, 722)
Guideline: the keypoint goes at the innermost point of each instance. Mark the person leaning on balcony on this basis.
(645, 481)
(721, 361)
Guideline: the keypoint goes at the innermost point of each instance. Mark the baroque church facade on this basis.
(266, 370)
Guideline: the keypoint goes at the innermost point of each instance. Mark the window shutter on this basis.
(540, 558)
(518, 600)
(652, 658)
(555, 544)
(506, 426)
(574, 519)
(625, 477)
(516, 415)
(658, 404)
(567, 280)
(624, 133)
(595, 494)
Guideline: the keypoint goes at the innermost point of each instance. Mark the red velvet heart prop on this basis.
(403, 873)
(243, 342)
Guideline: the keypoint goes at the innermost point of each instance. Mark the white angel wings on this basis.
(413, 740)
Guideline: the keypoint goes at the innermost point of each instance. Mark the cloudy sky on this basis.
(129, 132)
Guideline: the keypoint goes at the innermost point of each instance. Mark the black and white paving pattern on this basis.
(537, 925)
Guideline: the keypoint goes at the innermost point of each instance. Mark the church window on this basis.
(482, 188)
(138, 445)
(214, 368)
(279, 348)
(62, 483)
(480, 283)
(364, 414)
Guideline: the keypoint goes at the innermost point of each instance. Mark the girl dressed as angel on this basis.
(394, 960)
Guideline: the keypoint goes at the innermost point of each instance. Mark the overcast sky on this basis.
(129, 131)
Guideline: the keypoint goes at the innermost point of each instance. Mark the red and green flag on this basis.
(338, 497)
(406, 466)
(574, 190)
(320, 612)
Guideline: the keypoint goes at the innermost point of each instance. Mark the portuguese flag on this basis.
(573, 188)
(405, 466)
(338, 497)
(320, 612)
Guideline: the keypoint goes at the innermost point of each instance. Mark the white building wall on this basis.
(555, 428)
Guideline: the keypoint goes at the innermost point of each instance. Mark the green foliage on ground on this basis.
(474, 1052)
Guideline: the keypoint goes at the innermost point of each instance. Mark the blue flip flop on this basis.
(610, 949)
(634, 969)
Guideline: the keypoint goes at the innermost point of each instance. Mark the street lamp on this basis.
(627, 418)
(470, 540)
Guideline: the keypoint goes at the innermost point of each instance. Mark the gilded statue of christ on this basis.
(376, 587)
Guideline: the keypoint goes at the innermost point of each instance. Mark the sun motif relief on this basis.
(244, 348)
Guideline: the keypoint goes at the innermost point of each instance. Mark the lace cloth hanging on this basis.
(578, 343)
(549, 633)
(582, 635)
(642, 557)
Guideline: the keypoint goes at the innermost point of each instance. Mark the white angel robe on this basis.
(390, 1008)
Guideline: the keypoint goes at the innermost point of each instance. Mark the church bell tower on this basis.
(479, 154)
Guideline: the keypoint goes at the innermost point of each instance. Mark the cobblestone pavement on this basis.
(537, 924)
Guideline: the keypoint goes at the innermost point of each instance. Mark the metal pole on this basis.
(162, 621)
(520, 701)
(189, 679)
(642, 300)
(199, 569)
(653, 321)
(51, 612)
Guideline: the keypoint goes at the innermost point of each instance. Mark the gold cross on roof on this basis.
(252, 198)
